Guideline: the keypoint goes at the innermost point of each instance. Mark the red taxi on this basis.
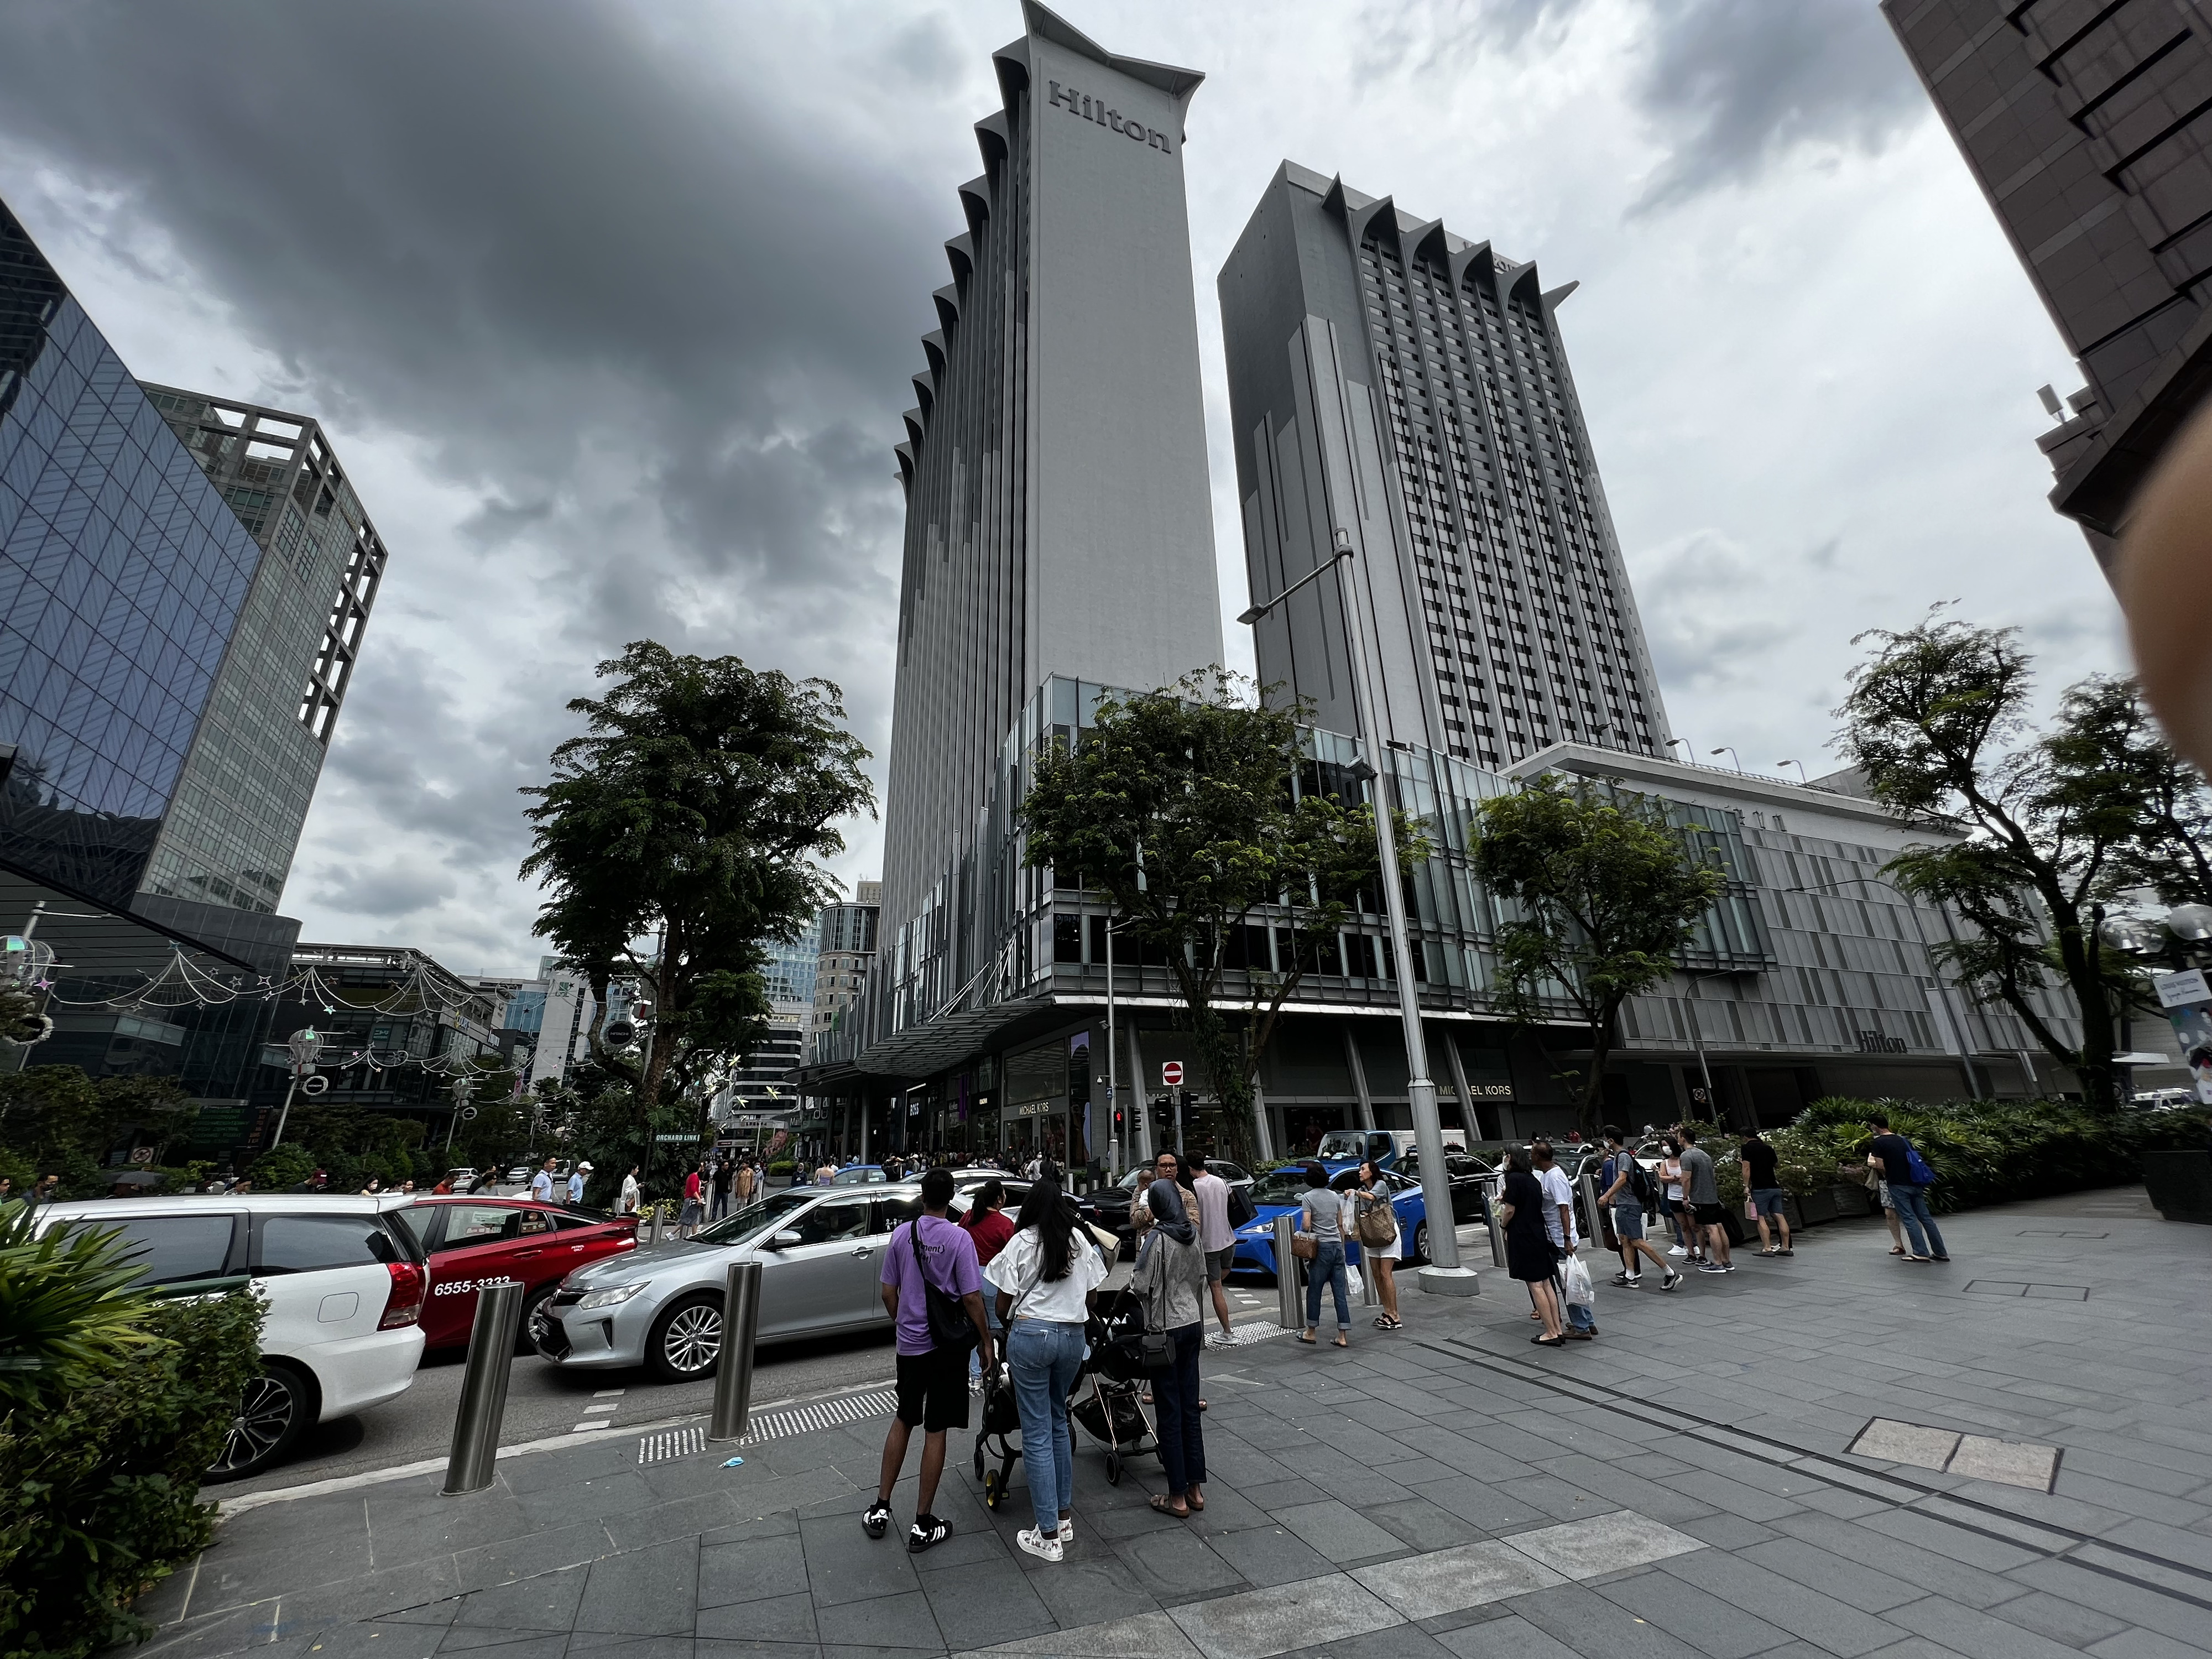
(474, 1242)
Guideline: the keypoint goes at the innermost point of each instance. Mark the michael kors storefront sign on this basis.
(1093, 109)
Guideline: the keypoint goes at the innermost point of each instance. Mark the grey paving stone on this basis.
(1797, 1609)
(1511, 1637)
(1492, 1508)
(648, 1592)
(547, 1601)
(789, 1617)
(1397, 1642)
(985, 1603)
(1605, 1543)
(1263, 1623)
(604, 1644)
(2145, 1645)
(513, 1644)
(1148, 1636)
(2059, 1619)
(1421, 1524)
(884, 1623)
(1590, 1625)
(1975, 1549)
(2007, 1462)
(1860, 1585)
(843, 1563)
(1448, 1581)
(1339, 1532)
(1728, 1532)
(1176, 1566)
(1270, 1555)
(1712, 1625)
(706, 1650)
(751, 1571)
(379, 1639)
(512, 1559)
(1083, 1591)
(1733, 1497)
(2122, 1600)
(1978, 1635)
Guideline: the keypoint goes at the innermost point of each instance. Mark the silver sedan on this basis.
(821, 1251)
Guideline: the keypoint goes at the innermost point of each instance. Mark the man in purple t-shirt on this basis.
(932, 1380)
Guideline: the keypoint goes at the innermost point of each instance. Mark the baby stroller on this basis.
(1001, 1420)
(1108, 1398)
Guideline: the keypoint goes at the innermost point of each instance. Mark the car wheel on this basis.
(524, 1342)
(273, 1409)
(1421, 1241)
(686, 1340)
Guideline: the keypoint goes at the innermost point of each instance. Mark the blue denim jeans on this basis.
(1911, 1203)
(1327, 1266)
(1043, 1357)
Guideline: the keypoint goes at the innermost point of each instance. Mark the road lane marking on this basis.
(608, 1407)
(609, 1394)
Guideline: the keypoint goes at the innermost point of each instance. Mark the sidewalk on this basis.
(1684, 1484)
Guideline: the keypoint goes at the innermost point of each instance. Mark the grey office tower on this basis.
(2087, 123)
(1406, 388)
(1059, 521)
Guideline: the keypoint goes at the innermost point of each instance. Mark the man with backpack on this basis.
(1628, 1188)
(1909, 1178)
(934, 1292)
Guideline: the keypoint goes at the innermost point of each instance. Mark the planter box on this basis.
(2180, 1184)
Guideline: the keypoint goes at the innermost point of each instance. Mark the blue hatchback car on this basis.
(1282, 1191)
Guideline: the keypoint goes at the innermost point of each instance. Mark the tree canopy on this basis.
(1182, 805)
(2056, 825)
(683, 830)
(1608, 890)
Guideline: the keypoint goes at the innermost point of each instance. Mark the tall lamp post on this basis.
(1445, 1276)
(307, 1046)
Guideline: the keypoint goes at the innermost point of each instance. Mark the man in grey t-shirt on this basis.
(1704, 1198)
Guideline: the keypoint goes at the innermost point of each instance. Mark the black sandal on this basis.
(1543, 1341)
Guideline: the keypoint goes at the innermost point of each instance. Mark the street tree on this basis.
(1609, 890)
(681, 832)
(1937, 721)
(1195, 810)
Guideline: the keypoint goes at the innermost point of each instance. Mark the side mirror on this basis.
(786, 1240)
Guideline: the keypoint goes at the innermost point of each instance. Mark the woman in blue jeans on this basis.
(1321, 1213)
(1045, 1278)
(1171, 1277)
(1892, 1154)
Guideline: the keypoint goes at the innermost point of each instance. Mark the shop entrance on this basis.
(1031, 1133)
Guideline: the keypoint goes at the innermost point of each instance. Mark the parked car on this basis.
(861, 1174)
(471, 1242)
(1284, 1190)
(519, 1176)
(345, 1283)
(821, 1255)
(1467, 1175)
(1110, 1206)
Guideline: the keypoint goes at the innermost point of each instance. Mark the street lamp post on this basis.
(1728, 749)
(1446, 1276)
(1942, 992)
(307, 1046)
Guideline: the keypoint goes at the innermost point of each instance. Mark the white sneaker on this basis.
(1037, 1544)
(1066, 1530)
(1678, 1250)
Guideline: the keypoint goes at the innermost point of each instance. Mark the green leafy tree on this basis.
(1179, 805)
(62, 1121)
(682, 830)
(1937, 722)
(2106, 748)
(1609, 892)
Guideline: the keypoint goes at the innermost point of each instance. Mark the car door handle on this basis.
(525, 1255)
(865, 1250)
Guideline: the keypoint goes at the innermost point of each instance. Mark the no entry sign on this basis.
(1171, 1074)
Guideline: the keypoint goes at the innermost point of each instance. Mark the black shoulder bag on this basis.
(950, 1327)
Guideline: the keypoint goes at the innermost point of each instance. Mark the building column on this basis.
(1259, 1123)
(1358, 1077)
(1144, 1105)
(1471, 1125)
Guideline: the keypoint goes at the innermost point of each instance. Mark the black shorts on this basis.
(933, 1390)
(1712, 1215)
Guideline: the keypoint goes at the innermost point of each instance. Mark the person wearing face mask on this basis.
(1171, 1277)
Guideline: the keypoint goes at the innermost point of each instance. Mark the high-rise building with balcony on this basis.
(2088, 126)
(1397, 385)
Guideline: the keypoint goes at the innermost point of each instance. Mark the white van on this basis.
(1384, 1146)
(345, 1283)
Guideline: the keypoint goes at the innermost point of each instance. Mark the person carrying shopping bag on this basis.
(1171, 1277)
(1381, 1244)
(1045, 1276)
(1320, 1214)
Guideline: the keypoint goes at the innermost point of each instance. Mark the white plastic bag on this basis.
(1354, 1286)
(1575, 1277)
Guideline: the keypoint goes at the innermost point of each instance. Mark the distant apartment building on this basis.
(1404, 390)
(2087, 125)
(847, 944)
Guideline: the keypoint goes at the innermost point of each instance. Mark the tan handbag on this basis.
(1304, 1246)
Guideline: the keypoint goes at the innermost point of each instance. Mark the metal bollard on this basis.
(483, 1388)
(733, 1371)
(1593, 1227)
(1492, 1195)
(655, 1239)
(1371, 1289)
(1289, 1306)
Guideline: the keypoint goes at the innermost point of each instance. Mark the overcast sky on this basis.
(611, 310)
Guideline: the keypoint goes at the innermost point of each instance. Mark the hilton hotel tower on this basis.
(1058, 521)
(1408, 387)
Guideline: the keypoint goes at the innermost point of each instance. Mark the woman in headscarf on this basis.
(1171, 1277)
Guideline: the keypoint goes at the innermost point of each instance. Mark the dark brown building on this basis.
(2086, 122)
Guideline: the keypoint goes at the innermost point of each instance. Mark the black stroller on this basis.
(1001, 1420)
(1108, 1400)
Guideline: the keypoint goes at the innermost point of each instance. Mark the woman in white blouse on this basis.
(1046, 1276)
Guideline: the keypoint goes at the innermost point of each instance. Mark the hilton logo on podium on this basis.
(1093, 109)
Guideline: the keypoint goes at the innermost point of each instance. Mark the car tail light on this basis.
(404, 1305)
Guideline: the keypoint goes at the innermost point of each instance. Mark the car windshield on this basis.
(756, 1219)
(1283, 1187)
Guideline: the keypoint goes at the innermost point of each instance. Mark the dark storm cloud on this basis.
(1729, 86)
(532, 232)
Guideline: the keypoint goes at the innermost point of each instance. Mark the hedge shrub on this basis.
(1982, 1151)
(98, 1491)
